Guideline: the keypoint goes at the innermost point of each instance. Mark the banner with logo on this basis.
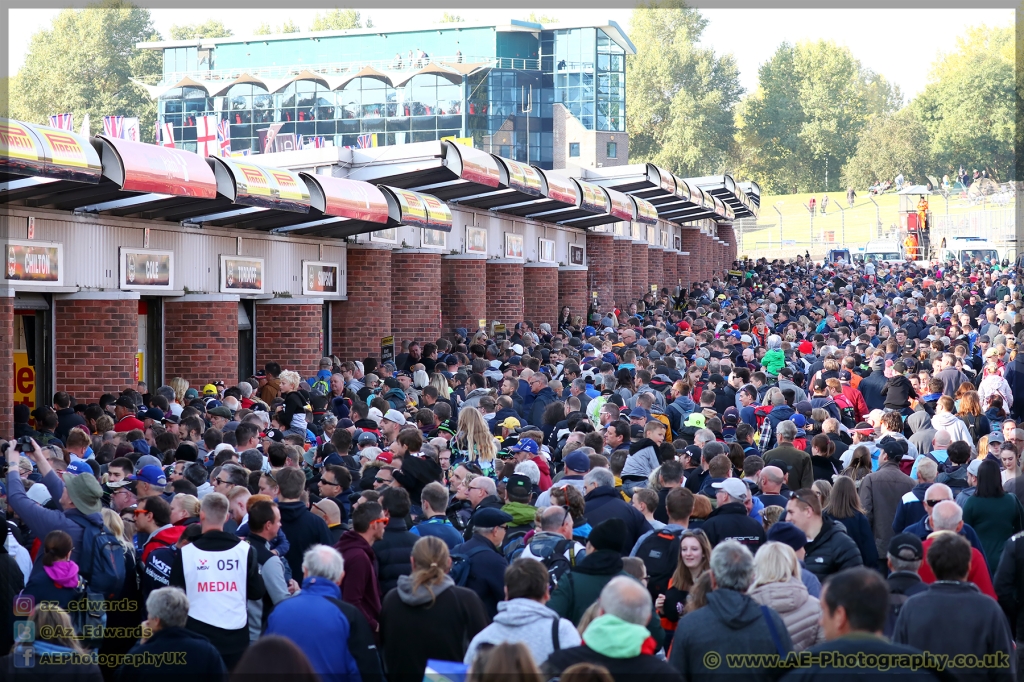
(241, 275)
(321, 279)
(146, 270)
(36, 263)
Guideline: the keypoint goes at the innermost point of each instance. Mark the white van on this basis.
(966, 249)
(884, 251)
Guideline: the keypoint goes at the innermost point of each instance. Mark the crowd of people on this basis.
(767, 476)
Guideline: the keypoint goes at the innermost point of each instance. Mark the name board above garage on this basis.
(36, 263)
(321, 279)
(241, 275)
(147, 270)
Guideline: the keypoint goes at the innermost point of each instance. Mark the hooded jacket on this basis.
(473, 398)
(831, 551)
(642, 460)
(678, 410)
(897, 392)
(303, 529)
(800, 612)
(360, 588)
(396, 398)
(773, 361)
(922, 433)
(731, 623)
(437, 622)
(911, 508)
(522, 514)
(881, 493)
(624, 649)
(871, 388)
(199, 659)
(953, 425)
(394, 553)
(529, 622)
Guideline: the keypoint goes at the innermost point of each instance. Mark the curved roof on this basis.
(429, 70)
(41, 151)
(140, 167)
(365, 72)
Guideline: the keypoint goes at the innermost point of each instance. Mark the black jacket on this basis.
(642, 667)
(199, 660)
(606, 503)
(67, 419)
(871, 388)
(486, 573)
(1009, 582)
(732, 521)
(857, 643)
(303, 529)
(897, 392)
(394, 554)
(831, 551)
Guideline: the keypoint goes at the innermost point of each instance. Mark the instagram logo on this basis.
(23, 605)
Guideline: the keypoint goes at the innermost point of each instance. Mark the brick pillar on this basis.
(416, 295)
(96, 337)
(463, 295)
(641, 283)
(201, 338)
(655, 267)
(505, 291)
(601, 268)
(669, 269)
(622, 266)
(728, 234)
(540, 293)
(690, 262)
(360, 322)
(6, 363)
(703, 256)
(572, 290)
(289, 332)
(683, 269)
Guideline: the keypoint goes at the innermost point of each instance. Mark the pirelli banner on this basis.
(39, 151)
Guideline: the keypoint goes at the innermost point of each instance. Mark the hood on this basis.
(642, 444)
(394, 393)
(351, 540)
(734, 609)
(783, 597)
(292, 511)
(522, 514)
(64, 573)
(421, 595)
(477, 393)
(918, 421)
(613, 637)
(943, 421)
(519, 612)
(685, 402)
(782, 412)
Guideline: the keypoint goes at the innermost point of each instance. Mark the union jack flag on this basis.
(318, 142)
(364, 141)
(113, 126)
(62, 121)
(224, 137)
(168, 135)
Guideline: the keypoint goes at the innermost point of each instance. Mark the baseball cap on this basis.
(385, 456)
(395, 416)
(799, 420)
(805, 347)
(367, 438)
(845, 375)
(526, 445)
(695, 419)
(191, 393)
(787, 534)
(510, 423)
(275, 435)
(125, 402)
(209, 389)
(518, 481)
(577, 461)
(996, 437)
(78, 466)
(972, 468)
(906, 547)
(731, 415)
(446, 426)
(155, 413)
(638, 413)
(746, 338)
(375, 414)
(734, 487)
(489, 517)
(151, 474)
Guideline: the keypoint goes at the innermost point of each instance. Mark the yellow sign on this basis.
(482, 323)
(140, 366)
(654, 288)
(24, 381)
(465, 141)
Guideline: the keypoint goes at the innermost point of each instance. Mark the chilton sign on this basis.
(146, 269)
(319, 277)
(244, 275)
(33, 262)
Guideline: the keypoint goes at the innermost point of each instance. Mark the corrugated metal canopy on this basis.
(31, 151)
(447, 170)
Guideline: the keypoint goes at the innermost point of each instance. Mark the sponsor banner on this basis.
(242, 275)
(320, 278)
(621, 206)
(479, 167)
(352, 199)
(562, 190)
(594, 199)
(268, 187)
(39, 263)
(645, 211)
(414, 212)
(439, 216)
(147, 270)
(387, 349)
(524, 178)
(163, 170)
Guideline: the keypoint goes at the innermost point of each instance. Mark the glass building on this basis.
(495, 84)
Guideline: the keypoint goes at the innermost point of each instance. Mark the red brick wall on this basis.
(655, 268)
(728, 234)
(415, 296)
(622, 266)
(289, 334)
(96, 342)
(641, 283)
(6, 366)
(691, 243)
(505, 291)
(463, 293)
(669, 260)
(683, 269)
(601, 268)
(540, 294)
(572, 290)
(201, 341)
(359, 323)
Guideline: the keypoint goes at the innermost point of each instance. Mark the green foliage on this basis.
(263, 29)
(84, 63)
(803, 122)
(542, 19)
(266, 29)
(681, 95)
(449, 18)
(891, 144)
(211, 29)
(337, 20)
(289, 27)
(968, 104)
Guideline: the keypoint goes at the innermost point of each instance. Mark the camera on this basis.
(25, 444)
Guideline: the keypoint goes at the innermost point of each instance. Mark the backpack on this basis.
(955, 479)
(461, 564)
(514, 545)
(896, 602)
(101, 559)
(942, 467)
(668, 426)
(660, 553)
(90, 618)
(320, 386)
(972, 426)
(847, 415)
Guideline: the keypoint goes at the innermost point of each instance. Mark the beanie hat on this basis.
(85, 493)
(608, 534)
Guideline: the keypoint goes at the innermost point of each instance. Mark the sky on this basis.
(900, 44)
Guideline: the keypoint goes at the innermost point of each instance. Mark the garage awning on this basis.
(341, 208)
(559, 193)
(725, 188)
(42, 152)
(414, 209)
(645, 212)
(444, 169)
(753, 192)
(518, 183)
(138, 167)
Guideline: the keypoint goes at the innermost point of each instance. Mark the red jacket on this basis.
(360, 587)
(128, 423)
(545, 472)
(978, 574)
(860, 408)
(164, 538)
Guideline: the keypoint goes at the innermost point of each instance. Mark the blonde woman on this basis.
(777, 585)
(179, 386)
(68, 661)
(474, 441)
(438, 381)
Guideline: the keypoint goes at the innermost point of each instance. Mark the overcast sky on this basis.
(901, 44)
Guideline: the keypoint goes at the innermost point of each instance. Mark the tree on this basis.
(289, 26)
(968, 106)
(211, 29)
(802, 124)
(542, 19)
(263, 29)
(266, 29)
(449, 18)
(891, 144)
(337, 20)
(681, 95)
(85, 63)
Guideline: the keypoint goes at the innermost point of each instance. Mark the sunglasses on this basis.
(381, 480)
(932, 503)
(691, 533)
(380, 520)
(221, 481)
(324, 481)
(141, 511)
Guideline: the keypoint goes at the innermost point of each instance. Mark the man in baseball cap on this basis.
(487, 568)
(528, 449)
(390, 424)
(731, 519)
(151, 482)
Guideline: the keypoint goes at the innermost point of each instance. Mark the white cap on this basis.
(375, 414)
(395, 416)
(39, 494)
(517, 349)
(733, 487)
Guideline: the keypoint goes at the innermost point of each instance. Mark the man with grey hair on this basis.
(343, 647)
(797, 462)
(731, 623)
(948, 516)
(171, 651)
(936, 493)
(604, 502)
(615, 638)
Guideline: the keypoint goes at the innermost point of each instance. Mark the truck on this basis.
(965, 249)
(884, 251)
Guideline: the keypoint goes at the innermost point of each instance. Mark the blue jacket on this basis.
(911, 509)
(328, 651)
(439, 527)
(486, 573)
(200, 659)
(541, 400)
(923, 529)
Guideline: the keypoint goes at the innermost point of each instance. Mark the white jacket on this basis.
(953, 425)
